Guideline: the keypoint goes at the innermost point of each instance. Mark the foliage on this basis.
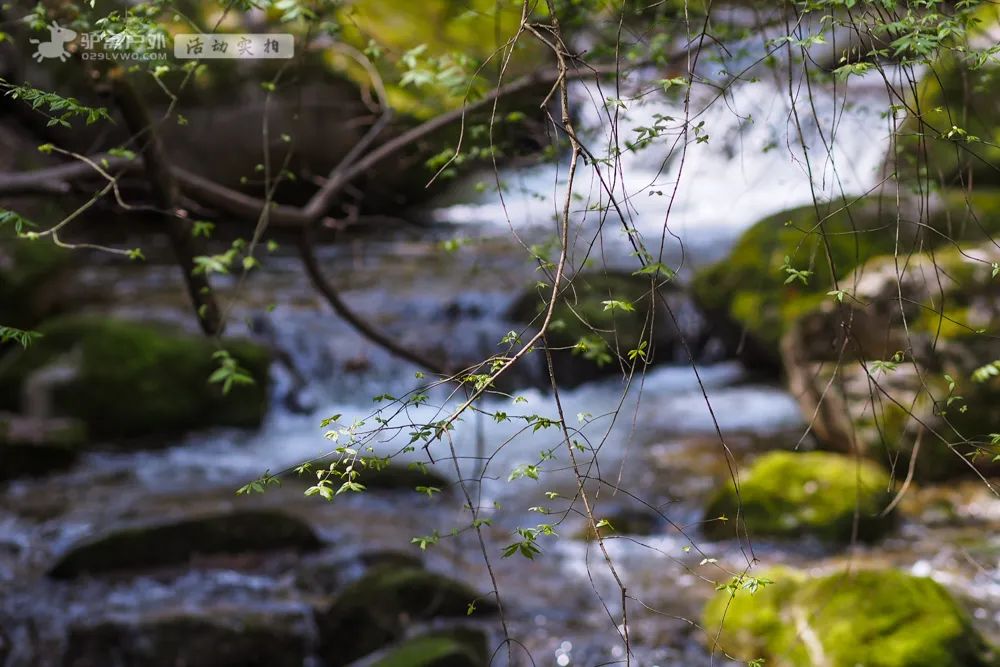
(19, 336)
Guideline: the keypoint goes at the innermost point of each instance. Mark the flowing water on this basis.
(657, 440)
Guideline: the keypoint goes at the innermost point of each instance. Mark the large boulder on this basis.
(324, 576)
(874, 618)
(375, 610)
(785, 265)
(177, 543)
(797, 494)
(127, 380)
(589, 336)
(895, 372)
(217, 637)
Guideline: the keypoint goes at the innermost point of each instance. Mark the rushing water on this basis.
(662, 446)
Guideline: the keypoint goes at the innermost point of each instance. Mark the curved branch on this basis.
(330, 293)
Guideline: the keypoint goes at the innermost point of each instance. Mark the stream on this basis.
(661, 447)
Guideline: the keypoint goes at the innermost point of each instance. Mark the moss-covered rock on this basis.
(590, 337)
(874, 618)
(218, 637)
(882, 373)
(177, 543)
(374, 611)
(796, 494)
(30, 271)
(752, 297)
(325, 577)
(131, 379)
(456, 648)
(35, 447)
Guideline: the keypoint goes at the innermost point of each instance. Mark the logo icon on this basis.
(56, 46)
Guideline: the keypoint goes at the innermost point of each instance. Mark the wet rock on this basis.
(792, 495)
(130, 380)
(34, 447)
(177, 543)
(876, 618)
(590, 339)
(321, 577)
(750, 298)
(325, 577)
(455, 648)
(895, 374)
(224, 637)
(375, 610)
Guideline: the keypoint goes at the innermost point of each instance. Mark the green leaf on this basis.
(22, 337)
(616, 304)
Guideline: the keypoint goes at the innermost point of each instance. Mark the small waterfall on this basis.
(748, 165)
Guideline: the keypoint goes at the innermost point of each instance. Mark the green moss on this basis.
(749, 286)
(747, 293)
(788, 494)
(444, 649)
(410, 590)
(875, 618)
(755, 625)
(177, 543)
(140, 380)
(373, 611)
